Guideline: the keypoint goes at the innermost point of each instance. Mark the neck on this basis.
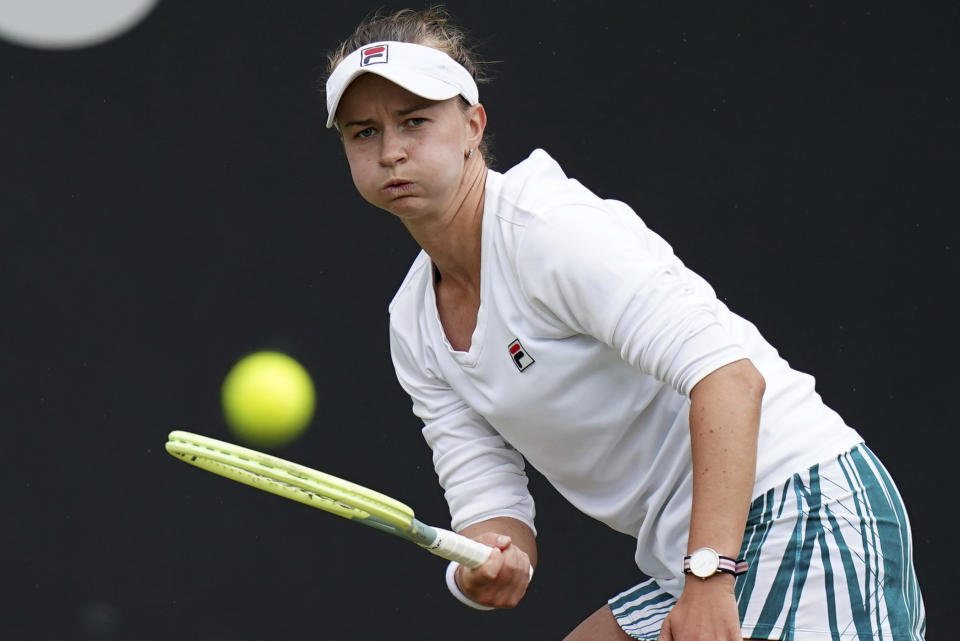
(452, 240)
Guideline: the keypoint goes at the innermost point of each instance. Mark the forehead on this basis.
(370, 92)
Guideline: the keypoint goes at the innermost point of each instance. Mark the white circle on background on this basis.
(69, 24)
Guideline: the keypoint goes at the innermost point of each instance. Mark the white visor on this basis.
(424, 71)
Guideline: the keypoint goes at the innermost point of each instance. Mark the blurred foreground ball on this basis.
(268, 399)
(69, 24)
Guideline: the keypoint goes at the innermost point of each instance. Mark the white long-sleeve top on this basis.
(589, 337)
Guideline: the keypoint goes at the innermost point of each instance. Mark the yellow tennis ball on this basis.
(268, 399)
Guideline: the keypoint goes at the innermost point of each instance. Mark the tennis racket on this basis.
(325, 492)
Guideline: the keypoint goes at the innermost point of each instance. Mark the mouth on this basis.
(398, 187)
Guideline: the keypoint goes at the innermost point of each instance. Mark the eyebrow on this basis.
(416, 107)
(400, 112)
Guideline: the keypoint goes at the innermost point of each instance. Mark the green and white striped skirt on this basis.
(830, 558)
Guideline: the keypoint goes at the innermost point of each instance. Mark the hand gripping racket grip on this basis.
(455, 547)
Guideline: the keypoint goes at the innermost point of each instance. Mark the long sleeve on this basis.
(481, 474)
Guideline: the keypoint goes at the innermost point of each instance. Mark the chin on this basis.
(405, 207)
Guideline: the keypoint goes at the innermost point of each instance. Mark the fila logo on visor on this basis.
(373, 55)
(520, 357)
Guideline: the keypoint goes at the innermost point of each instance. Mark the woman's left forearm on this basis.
(724, 422)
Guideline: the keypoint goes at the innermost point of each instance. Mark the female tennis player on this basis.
(541, 323)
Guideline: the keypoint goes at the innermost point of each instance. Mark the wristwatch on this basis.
(705, 562)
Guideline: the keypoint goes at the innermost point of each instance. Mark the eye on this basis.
(364, 133)
(416, 121)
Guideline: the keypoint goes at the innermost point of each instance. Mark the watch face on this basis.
(704, 562)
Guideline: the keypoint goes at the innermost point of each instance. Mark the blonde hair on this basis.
(431, 27)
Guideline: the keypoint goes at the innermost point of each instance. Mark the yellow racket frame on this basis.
(324, 491)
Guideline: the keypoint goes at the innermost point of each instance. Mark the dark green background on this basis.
(170, 201)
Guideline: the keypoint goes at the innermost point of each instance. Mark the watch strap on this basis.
(735, 567)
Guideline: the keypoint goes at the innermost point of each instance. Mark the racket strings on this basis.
(271, 484)
(337, 495)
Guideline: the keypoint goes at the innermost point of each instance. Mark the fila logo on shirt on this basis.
(373, 55)
(520, 357)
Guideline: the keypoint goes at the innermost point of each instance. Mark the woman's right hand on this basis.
(500, 582)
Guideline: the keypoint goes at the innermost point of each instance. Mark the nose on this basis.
(393, 149)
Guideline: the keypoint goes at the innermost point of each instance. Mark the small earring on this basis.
(470, 153)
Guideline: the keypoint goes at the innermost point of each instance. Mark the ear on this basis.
(476, 123)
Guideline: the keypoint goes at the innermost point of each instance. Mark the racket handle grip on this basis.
(456, 547)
